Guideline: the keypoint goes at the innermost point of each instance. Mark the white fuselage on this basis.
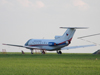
(46, 44)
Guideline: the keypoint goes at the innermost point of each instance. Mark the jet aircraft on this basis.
(57, 44)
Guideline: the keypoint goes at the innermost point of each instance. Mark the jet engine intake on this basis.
(52, 44)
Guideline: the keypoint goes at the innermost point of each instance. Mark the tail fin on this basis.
(69, 32)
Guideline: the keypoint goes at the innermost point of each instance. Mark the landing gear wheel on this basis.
(43, 52)
(59, 52)
(31, 51)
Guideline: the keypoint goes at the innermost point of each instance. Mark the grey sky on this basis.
(21, 20)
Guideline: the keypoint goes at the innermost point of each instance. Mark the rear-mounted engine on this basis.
(52, 44)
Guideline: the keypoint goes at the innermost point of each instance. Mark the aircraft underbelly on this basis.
(51, 48)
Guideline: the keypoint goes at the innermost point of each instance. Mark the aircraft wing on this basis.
(73, 47)
(29, 47)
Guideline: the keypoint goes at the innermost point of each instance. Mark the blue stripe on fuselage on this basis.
(48, 45)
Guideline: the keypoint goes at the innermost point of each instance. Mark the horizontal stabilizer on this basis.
(74, 27)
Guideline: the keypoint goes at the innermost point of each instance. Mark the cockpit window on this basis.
(26, 44)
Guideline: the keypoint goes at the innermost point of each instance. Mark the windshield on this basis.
(26, 44)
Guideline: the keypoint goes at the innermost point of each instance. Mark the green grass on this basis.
(49, 64)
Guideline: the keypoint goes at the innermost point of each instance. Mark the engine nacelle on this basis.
(56, 37)
(67, 42)
(52, 44)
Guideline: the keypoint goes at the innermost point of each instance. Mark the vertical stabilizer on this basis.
(69, 32)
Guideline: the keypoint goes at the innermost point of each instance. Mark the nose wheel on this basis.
(32, 51)
(59, 52)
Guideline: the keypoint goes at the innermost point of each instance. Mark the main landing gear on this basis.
(59, 52)
(43, 51)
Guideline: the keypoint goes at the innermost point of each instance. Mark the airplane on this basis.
(57, 44)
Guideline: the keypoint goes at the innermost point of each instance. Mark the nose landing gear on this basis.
(31, 51)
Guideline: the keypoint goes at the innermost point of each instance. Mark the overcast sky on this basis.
(21, 20)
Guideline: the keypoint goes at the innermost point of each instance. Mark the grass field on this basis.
(49, 64)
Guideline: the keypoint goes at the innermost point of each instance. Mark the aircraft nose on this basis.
(26, 44)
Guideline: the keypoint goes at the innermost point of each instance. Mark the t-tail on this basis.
(69, 33)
